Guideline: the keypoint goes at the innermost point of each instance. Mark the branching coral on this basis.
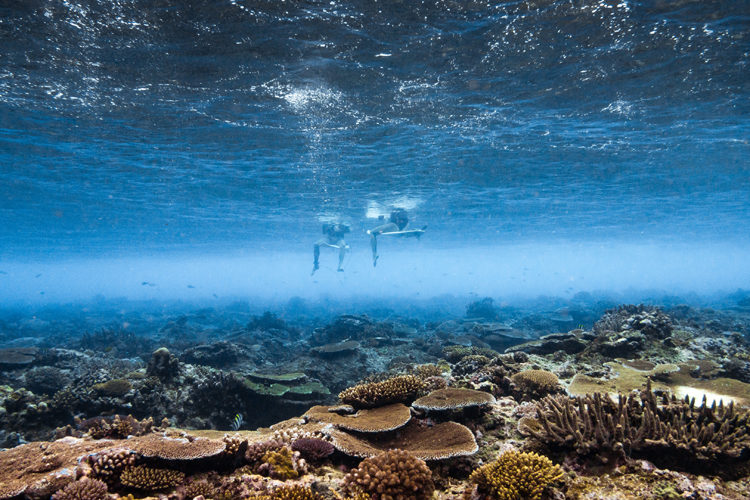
(400, 389)
(392, 474)
(676, 433)
(516, 476)
(117, 427)
(149, 478)
(109, 464)
(85, 489)
(313, 449)
(282, 464)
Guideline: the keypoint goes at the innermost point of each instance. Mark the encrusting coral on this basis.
(391, 475)
(515, 476)
(400, 389)
(85, 489)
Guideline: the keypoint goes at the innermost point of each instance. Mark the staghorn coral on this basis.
(515, 476)
(534, 384)
(85, 489)
(399, 389)
(392, 474)
(313, 449)
(676, 434)
(149, 478)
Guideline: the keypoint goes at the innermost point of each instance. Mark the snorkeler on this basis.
(334, 238)
(396, 226)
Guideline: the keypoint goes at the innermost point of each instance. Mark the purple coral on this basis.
(313, 449)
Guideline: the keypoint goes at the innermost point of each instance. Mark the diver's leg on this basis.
(316, 255)
(374, 232)
(342, 251)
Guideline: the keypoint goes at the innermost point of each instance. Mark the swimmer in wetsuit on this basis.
(334, 238)
(396, 225)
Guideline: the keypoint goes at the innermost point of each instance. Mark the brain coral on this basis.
(392, 474)
(85, 489)
(400, 389)
(516, 476)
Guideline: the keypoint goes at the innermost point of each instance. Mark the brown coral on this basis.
(109, 464)
(535, 384)
(85, 489)
(400, 389)
(394, 474)
(441, 441)
(282, 464)
(156, 446)
(117, 427)
(452, 398)
(516, 476)
(149, 478)
(381, 419)
(676, 434)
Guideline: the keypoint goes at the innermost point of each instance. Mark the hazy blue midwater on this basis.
(193, 149)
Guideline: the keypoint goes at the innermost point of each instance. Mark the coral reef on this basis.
(390, 475)
(515, 476)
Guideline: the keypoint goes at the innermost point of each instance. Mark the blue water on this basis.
(550, 146)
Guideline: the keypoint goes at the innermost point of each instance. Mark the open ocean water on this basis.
(549, 146)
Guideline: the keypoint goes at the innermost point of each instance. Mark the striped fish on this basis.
(237, 422)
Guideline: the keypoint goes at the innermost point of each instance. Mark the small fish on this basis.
(190, 286)
(3, 272)
(237, 422)
(146, 283)
(38, 275)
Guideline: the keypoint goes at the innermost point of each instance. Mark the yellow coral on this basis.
(516, 476)
(280, 464)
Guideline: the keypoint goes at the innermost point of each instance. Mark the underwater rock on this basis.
(17, 357)
(218, 354)
(163, 365)
(337, 349)
(570, 343)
